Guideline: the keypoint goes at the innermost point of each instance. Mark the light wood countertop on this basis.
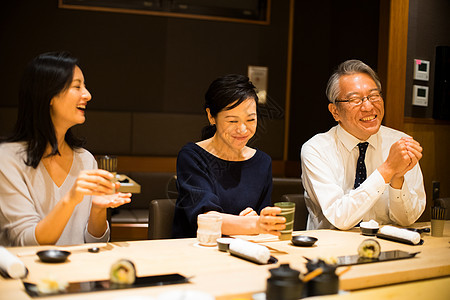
(222, 275)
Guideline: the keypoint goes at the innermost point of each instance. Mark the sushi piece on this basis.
(369, 248)
(330, 260)
(51, 285)
(123, 272)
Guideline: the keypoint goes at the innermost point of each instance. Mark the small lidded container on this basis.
(284, 284)
(369, 228)
(209, 229)
(326, 283)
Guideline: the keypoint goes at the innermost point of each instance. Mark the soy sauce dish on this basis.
(303, 240)
(224, 244)
(53, 255)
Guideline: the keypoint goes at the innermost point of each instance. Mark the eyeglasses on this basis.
(374, 97)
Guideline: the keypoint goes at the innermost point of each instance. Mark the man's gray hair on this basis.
(348, 67)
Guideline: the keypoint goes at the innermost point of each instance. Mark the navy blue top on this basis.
(208, 183)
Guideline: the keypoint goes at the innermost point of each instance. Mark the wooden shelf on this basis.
(130, 187)
(129, 231)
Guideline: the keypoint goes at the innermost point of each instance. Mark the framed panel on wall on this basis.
(247, 11)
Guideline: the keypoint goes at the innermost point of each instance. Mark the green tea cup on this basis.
(287, 211)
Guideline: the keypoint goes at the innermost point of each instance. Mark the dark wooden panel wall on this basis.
(158, 65)
(428, 27)
(326, 33)
(139, 67)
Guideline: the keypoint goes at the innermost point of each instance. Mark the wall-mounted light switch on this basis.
(420, 95)
(421, 69)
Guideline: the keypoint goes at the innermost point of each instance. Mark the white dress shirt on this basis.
(328, 174)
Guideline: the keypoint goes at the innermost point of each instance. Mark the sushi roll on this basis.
(369, 248)
(123, 272)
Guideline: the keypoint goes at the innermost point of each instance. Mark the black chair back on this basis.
(283, 186)
(160, 218)
(301, 212)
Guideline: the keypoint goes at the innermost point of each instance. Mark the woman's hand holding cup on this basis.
(269, 222)
(99, 183)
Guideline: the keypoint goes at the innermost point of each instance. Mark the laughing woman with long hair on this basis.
(51, 191)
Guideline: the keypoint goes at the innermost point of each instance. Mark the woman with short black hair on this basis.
(221, 174)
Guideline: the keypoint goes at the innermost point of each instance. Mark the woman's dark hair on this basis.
(224, 91)
(46, 76)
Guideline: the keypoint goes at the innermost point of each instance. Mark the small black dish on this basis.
(303, 240)
(272, 259)
(94, 250)
(420, 230)
(53, 256)
(5, 274)
(224, 244)
(398, 239)
(369, 231)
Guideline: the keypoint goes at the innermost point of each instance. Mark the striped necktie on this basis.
(361, 173)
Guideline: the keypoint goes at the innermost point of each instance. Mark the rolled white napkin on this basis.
(251, 251)
(412, 236)
(13, 266)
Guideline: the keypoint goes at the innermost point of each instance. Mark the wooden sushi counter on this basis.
(425, 276)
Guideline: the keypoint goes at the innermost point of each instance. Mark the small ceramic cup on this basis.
(209, 229)
(437, 227)
(108, 163)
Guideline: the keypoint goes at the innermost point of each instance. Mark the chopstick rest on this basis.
(256, 253)
(399, 234)
(11, 265)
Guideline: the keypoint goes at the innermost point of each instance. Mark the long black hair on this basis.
(46, 76)
(224, 91)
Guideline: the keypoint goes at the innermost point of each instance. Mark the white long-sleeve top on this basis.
(27, 195)
(328, 174)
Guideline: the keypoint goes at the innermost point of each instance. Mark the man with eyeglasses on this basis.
(360, 170)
